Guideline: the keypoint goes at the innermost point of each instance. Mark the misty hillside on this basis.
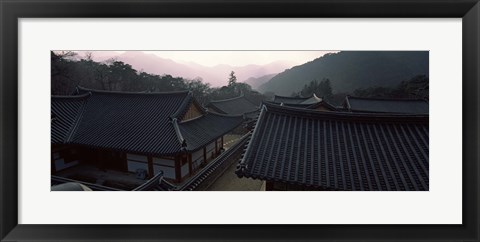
(255, 82)
(351, 70)
(216, 75)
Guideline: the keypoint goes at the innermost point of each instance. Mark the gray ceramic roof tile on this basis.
(207, 128)
(130, 121)
(234, 106)
(338, 150)
(297, 100)
(133, 122)
(65, 112)
(379, 105)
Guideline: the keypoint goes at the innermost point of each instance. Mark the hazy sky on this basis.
(238, 58)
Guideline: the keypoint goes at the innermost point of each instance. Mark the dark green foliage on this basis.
(295, 94)
(68, 72)
(62, 73)
(269, 96)
(416, 87)
(232, 79)
(350, 70)
(321, 89)
(233, 89)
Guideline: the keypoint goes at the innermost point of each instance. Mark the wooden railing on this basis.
(150, 184)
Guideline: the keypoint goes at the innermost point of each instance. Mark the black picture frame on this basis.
(11, 11)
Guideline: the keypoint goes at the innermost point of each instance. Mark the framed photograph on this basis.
(266, 120)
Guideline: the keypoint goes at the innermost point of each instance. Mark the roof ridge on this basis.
(292, 97)
(187, 101)
(323, 101)
(87, 94)
(254, 111)
(193, 119)
(385, 98)
(296, 105)
(228, 99)
(226, 115)
(246, 98)
(316, 99)
(178, 132)
(345, 115)
(215, 114)
(77, 120)
(132, 93)
(242, 165)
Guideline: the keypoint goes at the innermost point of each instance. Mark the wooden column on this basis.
(205, 154)
(190, 165)
(100, 160)
(269, 186)
(178, 172)
(222, 142)
(216, 148)
(151, 172)
(125, 161)
(52, 169)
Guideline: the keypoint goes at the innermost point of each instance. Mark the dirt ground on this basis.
(229, 181)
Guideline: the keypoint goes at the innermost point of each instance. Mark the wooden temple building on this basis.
(311, 102)
(240, 105)
(135, 133)
(385, 105)
(296, 101)
(235, 106)
(301, 149)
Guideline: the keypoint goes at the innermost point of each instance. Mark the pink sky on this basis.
(236, 58)
(212, 66)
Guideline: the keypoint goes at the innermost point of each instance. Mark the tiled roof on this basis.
(204, 130)
(235, 106)
(338, 150)
(297, 100)
(383, 105)
(294, 105)
(65, 112)
(256, 99)
(252, 114)
(323, 103)
(305, 105)
(134, 122)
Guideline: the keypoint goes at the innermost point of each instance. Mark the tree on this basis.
(199, 89)
(232, 84)
(321, 89)
(232, 80)
(242, 88)
(63, 72)
(68, 71)
(325, 89)
(416, 87)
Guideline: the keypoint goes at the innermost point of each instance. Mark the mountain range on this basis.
(215, 75)
(255, 82)
(349, 70)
